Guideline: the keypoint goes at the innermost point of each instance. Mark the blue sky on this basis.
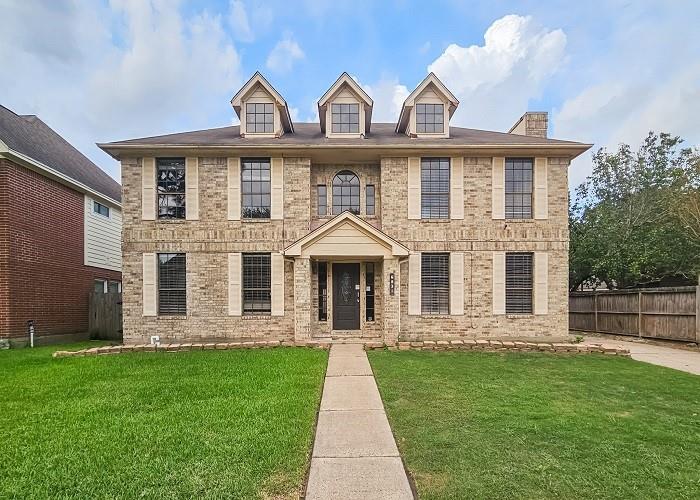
(606, 71)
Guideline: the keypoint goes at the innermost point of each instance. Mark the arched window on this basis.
(346, 193)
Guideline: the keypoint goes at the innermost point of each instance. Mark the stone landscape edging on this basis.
(422, 345)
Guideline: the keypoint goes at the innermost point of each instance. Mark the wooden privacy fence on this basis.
(105, 315)
(659, 313)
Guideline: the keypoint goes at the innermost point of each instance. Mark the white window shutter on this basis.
(414, 283)
(414, 188)
(149, 284)
(191, 188)
(498, 188)
(276, 188)
(234, 284)
(277, 289)
(457, 283)
(541, 201)
(457, 187)
(148, 188)
(499, 282)
(541, 285)
(234, 188)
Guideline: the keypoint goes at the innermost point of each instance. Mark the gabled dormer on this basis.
(426, 112)
(262, 110)
(345, 110)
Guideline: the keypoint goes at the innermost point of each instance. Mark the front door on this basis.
(346, 296)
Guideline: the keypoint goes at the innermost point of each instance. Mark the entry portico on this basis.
(346, 281)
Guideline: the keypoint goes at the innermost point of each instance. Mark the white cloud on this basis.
(495, 81)
(283, 56)
(238, 20)
(157, 72)
(388, 96)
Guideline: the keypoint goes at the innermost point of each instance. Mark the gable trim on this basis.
(397, 249)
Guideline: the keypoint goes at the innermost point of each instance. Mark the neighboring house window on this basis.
(256, 283)
(518, 188)
(100, 286)
(346, 193)
(322, 198)
(370, 199)
(518, 283)
(345, 118)
(259, 118)
(369, 291)
(171, 188)
(322, 291)
(435, 283)
(114, 286)
(101, 209)
(255, 185)
(430, 118)
(435, 188)
(172, 284)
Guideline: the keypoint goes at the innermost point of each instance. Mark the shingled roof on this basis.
(28, 135)
(309, 134)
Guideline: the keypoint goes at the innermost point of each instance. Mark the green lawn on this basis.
(212, 424)
(478, 425)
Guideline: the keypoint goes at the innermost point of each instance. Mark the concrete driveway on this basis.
(679, 359)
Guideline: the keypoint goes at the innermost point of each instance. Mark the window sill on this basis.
(436, 221)
(434, 316)
(520, 316)
(172, 316)
(256, 316)
(256, 221)
(519, 221)
(171, 221)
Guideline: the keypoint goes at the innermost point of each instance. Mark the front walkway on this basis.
(355, 455)
(679, 359)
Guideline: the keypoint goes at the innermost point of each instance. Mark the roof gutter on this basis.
(54, 174)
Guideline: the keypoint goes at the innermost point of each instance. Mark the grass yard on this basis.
(212, 424)
(520, 425)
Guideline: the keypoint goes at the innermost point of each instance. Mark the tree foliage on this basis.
(636, 218)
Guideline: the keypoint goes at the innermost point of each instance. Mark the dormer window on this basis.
(260, 117)
(427, 110)
(429, 118)
(261, 109)
(345, 118)
(345, 110)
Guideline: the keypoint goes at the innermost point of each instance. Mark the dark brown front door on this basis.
(346, 296)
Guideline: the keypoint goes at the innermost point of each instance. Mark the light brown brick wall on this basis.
(208, 240)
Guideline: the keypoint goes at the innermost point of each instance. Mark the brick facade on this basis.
(208, 240)
(42, 271)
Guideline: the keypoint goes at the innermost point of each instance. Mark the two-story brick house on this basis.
(345, 228)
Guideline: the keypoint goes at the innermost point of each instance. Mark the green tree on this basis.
(636, 218)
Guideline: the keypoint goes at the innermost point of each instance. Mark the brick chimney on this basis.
(532, 123)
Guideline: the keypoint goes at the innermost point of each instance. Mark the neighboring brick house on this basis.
(60, 232)
(345, 228)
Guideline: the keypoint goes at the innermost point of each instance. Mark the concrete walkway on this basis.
(679, 359)
(355, 455)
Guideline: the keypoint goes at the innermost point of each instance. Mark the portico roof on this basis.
(346, 235)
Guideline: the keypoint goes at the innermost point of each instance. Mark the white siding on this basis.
(103, 237)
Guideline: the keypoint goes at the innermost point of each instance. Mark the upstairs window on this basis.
(518, 188)
(430, 118)
(101, 209)
(255, 188)
(518, 283)
(346, 193)
(259, 118)
(172, 284)
(435, 188)
(257, 297)
(171, 188)
(435, 283)
(369, 191)
(322, 199)
(345, 118)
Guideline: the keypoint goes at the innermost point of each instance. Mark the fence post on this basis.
(697, 312)
(595, 309)
(639, 314)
